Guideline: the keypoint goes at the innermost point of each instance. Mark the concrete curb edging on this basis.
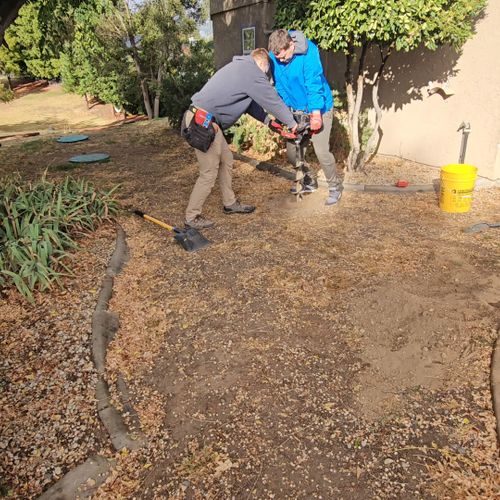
(495, 382)
(265, 166)
(84, 479)
(104, 326)
(81, 482)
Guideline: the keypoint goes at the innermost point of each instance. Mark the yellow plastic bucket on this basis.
(457, 185)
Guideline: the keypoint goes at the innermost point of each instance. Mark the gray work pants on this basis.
(216, 162)
(321, 145)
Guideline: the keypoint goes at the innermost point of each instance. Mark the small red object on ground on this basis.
(402, 184)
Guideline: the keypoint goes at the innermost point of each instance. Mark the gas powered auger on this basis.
(301, 140)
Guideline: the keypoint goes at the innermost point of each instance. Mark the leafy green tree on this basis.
(25, 52)
(91, 65)
(195, 66)
(11, 62)
(153, 32)
(165, 28)
(355, 26)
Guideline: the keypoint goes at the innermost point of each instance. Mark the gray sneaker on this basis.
(334, 196)
(199, 222)
(239, 208)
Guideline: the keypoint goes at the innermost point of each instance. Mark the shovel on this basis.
(189, 239)
(481, 226)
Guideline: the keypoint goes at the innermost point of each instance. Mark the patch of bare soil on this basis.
(48, 422)
(311, 351)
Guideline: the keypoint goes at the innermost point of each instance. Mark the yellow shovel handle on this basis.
(155, 221)
(159, 222)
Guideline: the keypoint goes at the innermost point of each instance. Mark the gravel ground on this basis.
(48, 422)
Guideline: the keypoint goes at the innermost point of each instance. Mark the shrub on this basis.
(249, 133)
(195, 66)
(40, 222)
(6, 95)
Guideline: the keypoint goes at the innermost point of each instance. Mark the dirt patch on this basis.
(417, 337)
(254, 364)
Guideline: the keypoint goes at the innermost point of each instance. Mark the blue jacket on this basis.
(301, 82)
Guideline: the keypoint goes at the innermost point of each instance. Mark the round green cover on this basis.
(89, 158)
(73, 138)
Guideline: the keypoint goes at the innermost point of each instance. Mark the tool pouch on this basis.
(200, 133)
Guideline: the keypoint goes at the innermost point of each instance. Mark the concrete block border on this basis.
(84, 479)
(81, 482)
(265, 166)
(104, 326)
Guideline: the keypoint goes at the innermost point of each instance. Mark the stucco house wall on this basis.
(416, 125)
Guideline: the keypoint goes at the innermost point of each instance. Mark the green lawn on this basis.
(49, 110)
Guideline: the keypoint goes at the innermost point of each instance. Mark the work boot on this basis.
(199, 222)
(239, 208)
(334, 196)
(310, 184)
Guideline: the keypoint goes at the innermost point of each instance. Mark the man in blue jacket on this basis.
(300, 82)
(242, 86)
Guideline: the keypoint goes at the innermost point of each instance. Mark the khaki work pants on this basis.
(218, 160)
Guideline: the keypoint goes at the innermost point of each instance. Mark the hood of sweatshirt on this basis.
(300, 42)
(249, 59)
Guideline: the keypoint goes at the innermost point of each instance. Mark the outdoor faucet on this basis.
(465, 128)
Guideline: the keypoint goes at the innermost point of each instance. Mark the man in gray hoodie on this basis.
(242, 86)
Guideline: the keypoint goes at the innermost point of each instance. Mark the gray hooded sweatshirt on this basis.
(241, 87)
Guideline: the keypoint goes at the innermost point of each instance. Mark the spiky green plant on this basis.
(40, 222)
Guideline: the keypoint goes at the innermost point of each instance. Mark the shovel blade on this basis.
(190, 239)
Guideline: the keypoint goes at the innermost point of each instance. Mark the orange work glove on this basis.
(275, 126)
(316, 121)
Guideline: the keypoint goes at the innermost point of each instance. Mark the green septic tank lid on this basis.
(73, 138)
(89, 158)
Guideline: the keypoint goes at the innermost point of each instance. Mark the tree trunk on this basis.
(146, 99)
(354, 103)
(137, 63)
(349, 91)
(372, 144)
(159, 78)
(144, 84)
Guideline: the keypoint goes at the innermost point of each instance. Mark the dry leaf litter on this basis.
(259, 367)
